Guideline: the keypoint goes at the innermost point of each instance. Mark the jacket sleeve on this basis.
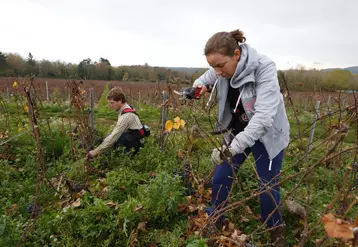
(267, 102)
(208, 78)
(121, 126)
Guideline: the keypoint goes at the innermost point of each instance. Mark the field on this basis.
(52, 196)
(62, 86)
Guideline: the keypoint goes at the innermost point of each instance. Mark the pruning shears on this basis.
(189, 93)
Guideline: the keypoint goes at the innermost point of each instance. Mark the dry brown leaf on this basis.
(240, 238)
(202, 207)
(226, 242)
(180, 153)
(231, 226)
(111, 204)
(182, 208)
(151, 244)
(199, 221)
(81, 193)
(64, 202)
(152, 174)
(189, 199)
(135, 209)
(11, 209)
(248, 209)
(243, 238)
(201, 189)
(337, 228)
(133, 240)
(77, 203)
(192, 209)
(244, 219)
(142, 226)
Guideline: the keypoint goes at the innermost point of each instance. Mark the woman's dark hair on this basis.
(224, 43)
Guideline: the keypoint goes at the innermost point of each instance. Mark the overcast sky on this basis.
(320, 33)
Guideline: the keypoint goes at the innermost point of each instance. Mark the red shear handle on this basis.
(197, 93)
(191, 93)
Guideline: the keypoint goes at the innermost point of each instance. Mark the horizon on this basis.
(315, 66)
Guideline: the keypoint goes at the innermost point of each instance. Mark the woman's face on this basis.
(224, 66)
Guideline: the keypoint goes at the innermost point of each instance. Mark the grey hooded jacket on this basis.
(256, 76)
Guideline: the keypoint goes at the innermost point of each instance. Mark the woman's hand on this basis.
(218, 156)
(204, 89)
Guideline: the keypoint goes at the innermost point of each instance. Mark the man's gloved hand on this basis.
(90, 155)
(217, 157)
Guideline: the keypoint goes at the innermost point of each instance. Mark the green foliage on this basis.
(337, 79)
(85, 69)
(93, 224)
(77, 170)
(10, 232)
(48, 69)
(54, 143)
(301, 79)
(125, 76)
(123, 182)
(104, 70)
(103, 100)
(130, 213)
(17, 189)
(157, 201)
(15, 65)
(31, 66)
(3, 63)
(141, 190)
(162, 196)
(147, 114)
(148, 159)
(197, 243)
(170, 238)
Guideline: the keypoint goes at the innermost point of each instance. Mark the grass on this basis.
(143, 190)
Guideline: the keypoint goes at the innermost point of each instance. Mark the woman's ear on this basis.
(237, 54)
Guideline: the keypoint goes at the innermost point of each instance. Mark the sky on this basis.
(313, 33)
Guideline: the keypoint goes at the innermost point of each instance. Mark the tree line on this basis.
(300, 78)
(14, 65)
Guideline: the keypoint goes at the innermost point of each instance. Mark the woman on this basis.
(252, 108)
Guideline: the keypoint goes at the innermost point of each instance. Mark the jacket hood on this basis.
(249, 61)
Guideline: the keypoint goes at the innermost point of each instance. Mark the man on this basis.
(128, 130)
